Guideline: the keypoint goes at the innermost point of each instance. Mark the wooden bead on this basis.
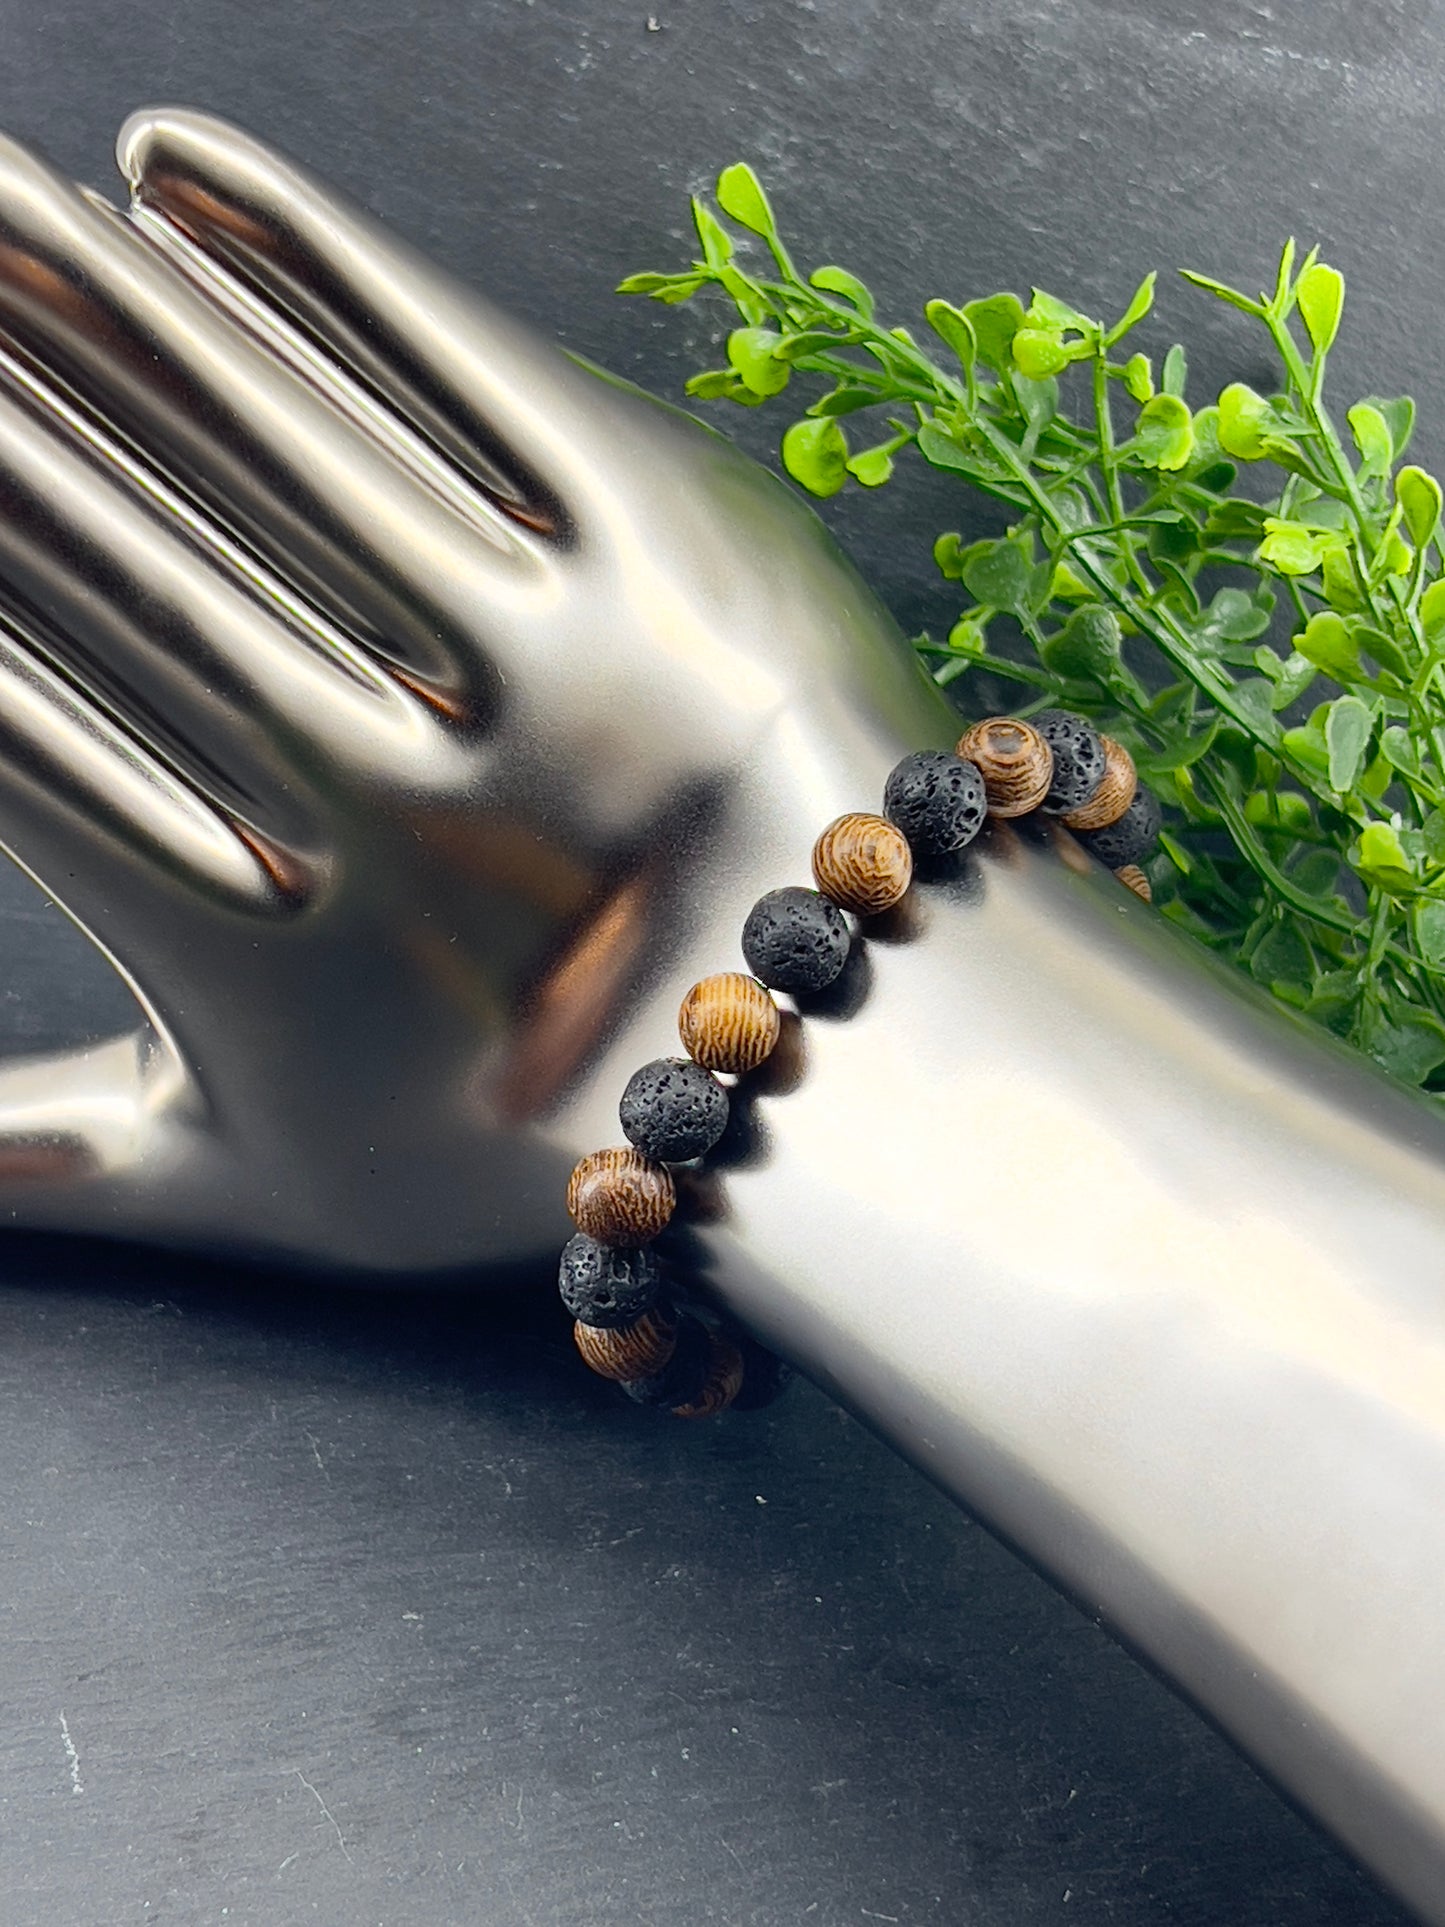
(1133, 878)
(863, 863)
(620, 1197)
(1016, 764)
(728, 1022)
(1114, 794)
(634, 1351)
(721, 1386)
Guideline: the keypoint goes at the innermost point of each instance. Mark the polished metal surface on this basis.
(412, 713)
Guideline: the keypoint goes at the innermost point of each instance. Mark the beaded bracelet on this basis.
(629, 1326)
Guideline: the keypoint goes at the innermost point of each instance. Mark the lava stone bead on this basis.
(794, 939)
(673, 1109)
(684, 1375)
(602, 1285)
(937, 800)
(1078, 758)
(1129, 836)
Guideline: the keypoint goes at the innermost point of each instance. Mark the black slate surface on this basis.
(317, 1607)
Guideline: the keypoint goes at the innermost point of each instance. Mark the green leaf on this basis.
(1245, 422)
(1139, 377)
(750, 350)
(995, 321)
(998, 573)
(1432, 612)
(1342, 591)
(648, 283)
(1282, 956)
(845, 401)
(1038, 402)
(1347, 735)
(872, 466)
(953, 326)
(1140, 304)
(1296, 674)
(1039, 355)
(1384, 648)
(750, 304)
(839, 281)
(1048, 312)
(1409, 1047)
(1399, 415)
(740, 194)
(1379, 857)
(1222, 292)
(1430, 930)
(1234, 520)
(1419, 497)
(950, 554)
(1237, 616)
(1432, 833)
(1165, 436)
(942, 450)
(1320, 292)
(1292, 548)
(1326, 642)
(815, 454)
(1397, 746)
(1185, 751)
(814, 341)
(1372, 438)
(1087, 646)
(1175, 376)
(717, 247)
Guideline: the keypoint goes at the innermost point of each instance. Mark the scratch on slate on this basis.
(316, 1454)
(327, 1813)
(77, 1785)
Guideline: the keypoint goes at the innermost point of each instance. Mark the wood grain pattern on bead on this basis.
(721, 1386)
(621, 1197)
(728, 1022)
(632, 1351)
(1114, 794)
(1133, 878)
(863, 863)
(1016, 764)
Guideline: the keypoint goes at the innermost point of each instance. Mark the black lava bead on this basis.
(684, 1374)
(673, 1109)
(794, 939)
(1131, 837)
(1078, 759)
(937, 799)
(604, 1286)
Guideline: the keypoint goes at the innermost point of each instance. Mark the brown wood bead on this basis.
(1016, 764)
(728, 1022)
(863, 863)
(632, 1351)
(721, 1386)
(1114, 794)
(1133, 878)
(620, 1197)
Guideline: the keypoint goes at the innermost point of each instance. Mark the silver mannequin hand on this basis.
(412, 714)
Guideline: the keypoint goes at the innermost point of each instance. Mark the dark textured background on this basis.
(357, 1610)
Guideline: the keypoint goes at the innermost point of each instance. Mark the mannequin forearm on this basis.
(1153, 1286)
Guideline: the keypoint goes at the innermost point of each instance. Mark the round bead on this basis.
(673, 1110)
(1114, 794)
(606, 1287)
(1133, 878)
(1078, 752)
(728, 1022)
(795, 939)
(720, 1386)
(1015, 762)
(683, 1376)
(936, 799)
(863, 863)
(765, 1376)
(637, 1350)
(1129, 836)
(620, 1197)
